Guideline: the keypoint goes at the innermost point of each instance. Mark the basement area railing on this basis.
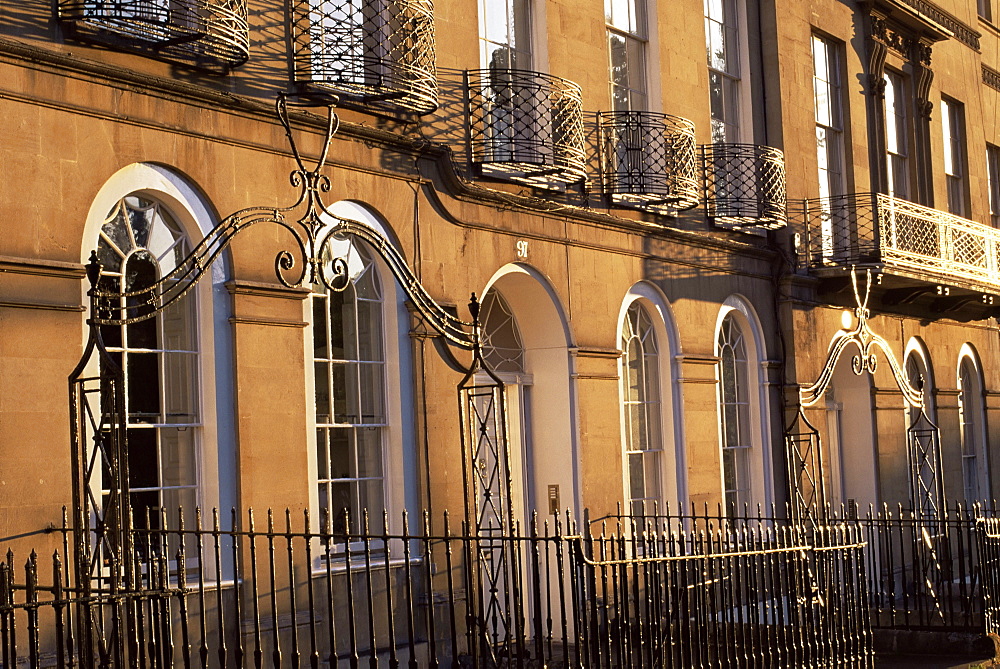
(649, 160)
(526, 126)
(874, 228)
(246, 590)
(199, 32)
(369, 51)
(920, 573)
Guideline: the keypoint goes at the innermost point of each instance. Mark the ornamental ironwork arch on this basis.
(105, 545)
(804, 453)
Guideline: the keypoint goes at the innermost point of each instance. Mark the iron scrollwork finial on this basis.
(865, 360)
(310, 261)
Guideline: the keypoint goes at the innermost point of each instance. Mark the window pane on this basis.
(180, 387)
(178, 466)
(369, 330)
(322, 385)
(372, 389)
(143, 459)
(369, 452)
(143, 381)
(341, 453)
(321, 348)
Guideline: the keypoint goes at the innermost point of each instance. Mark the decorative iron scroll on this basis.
(526, 126)
(649, 160)
(371, 51)
(309, 262)
(187, 30)
(744, 185)
(865, 360)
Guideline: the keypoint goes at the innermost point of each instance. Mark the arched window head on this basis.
(503, 349)
(642, 404)
(350, 395)
(734, 410)
(139, 243)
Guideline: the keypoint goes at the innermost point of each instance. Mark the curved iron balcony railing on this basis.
(199, 31)
(370, 51)
(874, 228)
(526, 126)
(744, 185)
(649, 160)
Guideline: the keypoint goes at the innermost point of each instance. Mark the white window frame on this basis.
(399, 468)
(739, 310)
(522, 58)
(993, 180)
(953, 130)
(650, 403)
(214, 440)
(897, 136)
(736, 123)
(632, 31)
(215, 447)
(972, 422)
(828, 105)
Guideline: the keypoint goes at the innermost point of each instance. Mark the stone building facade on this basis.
(659, 204)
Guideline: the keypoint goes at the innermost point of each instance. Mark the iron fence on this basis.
(649, 160)
(744, 185)
(865, 228)
(526, 126)
(371, 51)
(241, 591)
(922, 573)
(190, 30)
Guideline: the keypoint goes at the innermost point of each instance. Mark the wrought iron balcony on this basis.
(649, 160)
(526, 126)
(371, 51)
(200, 31)
(873, 228)
(744, 185)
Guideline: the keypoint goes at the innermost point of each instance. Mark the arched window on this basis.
(735, 415)
(139, 243)
(348, 338)
(503, 349)
(975, 467)
(641, 399)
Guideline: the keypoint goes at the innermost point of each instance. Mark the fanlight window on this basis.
(503, 349)
(350, 394)
(140, 243)
(641, 398)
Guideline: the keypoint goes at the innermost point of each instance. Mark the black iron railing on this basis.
(274, 592)
(922, 573)
(869, 228)
(198, 31)
(369, 51)
(649, 160)
(744, 185)
(526, 126)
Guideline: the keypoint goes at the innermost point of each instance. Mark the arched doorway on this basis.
(524, 322)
